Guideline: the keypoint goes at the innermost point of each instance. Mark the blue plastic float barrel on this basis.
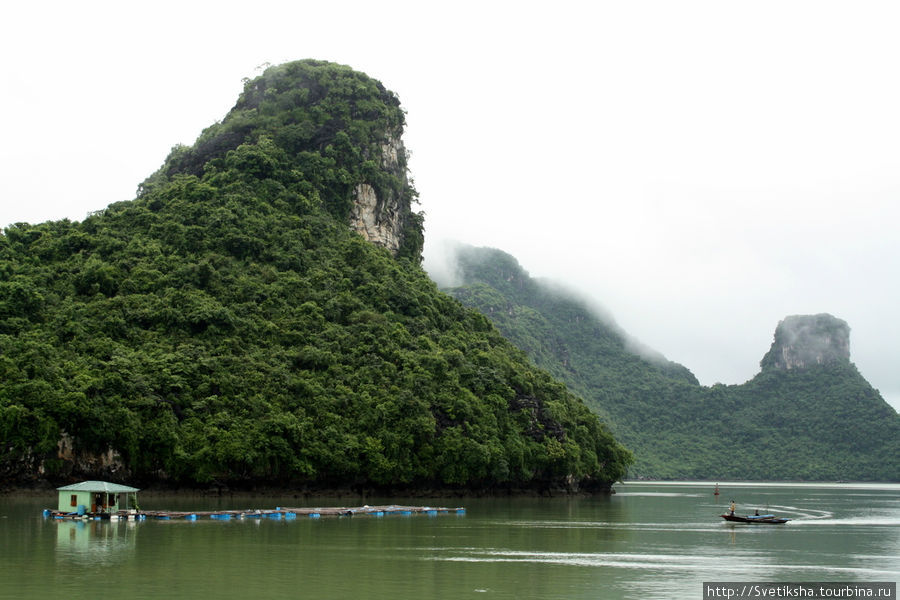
(314, 515)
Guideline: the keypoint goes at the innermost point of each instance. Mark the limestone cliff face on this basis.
(379, 216)
(80, 463)
(802, 341)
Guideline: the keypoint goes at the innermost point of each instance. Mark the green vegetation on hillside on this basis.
(227, 326)
(820, 423)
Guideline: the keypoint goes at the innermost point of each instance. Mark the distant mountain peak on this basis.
(831, 424)
(802, 341)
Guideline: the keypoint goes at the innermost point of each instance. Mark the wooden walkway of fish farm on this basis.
(276, 513)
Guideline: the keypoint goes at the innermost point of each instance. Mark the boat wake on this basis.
(807, 516)
(801, 513)
(874, 521)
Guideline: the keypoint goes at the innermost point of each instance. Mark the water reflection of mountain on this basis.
(95, 542)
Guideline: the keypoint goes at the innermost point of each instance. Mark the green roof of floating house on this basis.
(97, 486)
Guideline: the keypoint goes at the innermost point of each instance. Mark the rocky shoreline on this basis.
(44, 487)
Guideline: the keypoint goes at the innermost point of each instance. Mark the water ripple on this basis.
(658, 562)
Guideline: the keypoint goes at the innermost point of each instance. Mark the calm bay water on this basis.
(646, 541)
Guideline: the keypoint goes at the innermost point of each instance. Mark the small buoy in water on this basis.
(716, 493)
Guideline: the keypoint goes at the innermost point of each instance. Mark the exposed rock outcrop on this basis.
(802, 341)
(379, 215)
(77, 463)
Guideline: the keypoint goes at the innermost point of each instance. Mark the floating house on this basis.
(96, 497)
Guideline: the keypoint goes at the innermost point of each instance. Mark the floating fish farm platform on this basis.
(277, 513)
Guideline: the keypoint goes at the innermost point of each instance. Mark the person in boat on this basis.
(732, 507)
(757, 512)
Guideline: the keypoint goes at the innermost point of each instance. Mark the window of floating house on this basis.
(74, 500)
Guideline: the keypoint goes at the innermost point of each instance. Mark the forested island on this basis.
(258, 316)
(807, 415)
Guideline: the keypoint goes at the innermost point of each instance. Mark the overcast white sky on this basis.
(701, 169)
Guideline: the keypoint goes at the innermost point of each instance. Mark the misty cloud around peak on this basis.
(453, 264)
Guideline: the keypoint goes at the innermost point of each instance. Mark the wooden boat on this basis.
(767, 519)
